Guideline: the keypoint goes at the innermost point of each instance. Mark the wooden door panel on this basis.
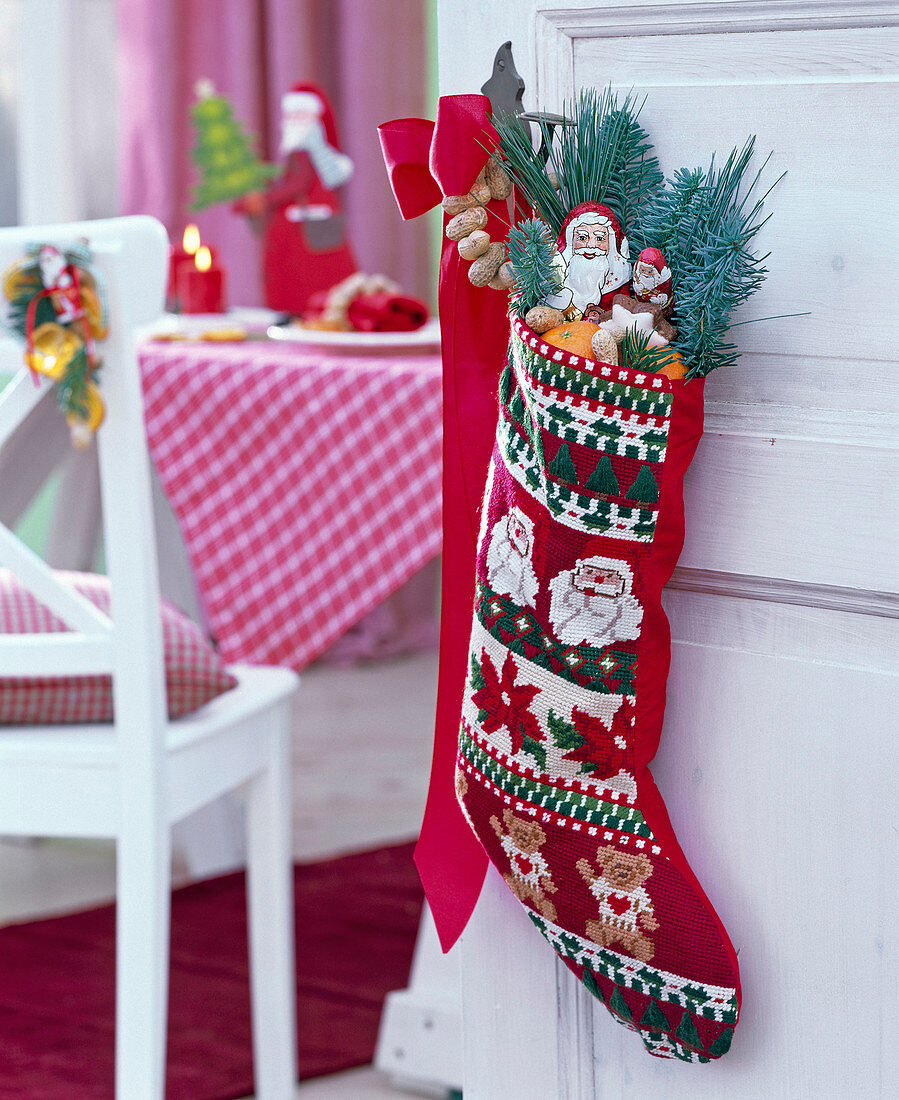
(776, 755)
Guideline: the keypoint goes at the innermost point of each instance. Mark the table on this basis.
(305, 483)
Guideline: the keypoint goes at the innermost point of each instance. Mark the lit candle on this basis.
(201, 286)
(181, 255)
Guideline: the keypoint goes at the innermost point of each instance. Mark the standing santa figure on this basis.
(652, 279)
(596, 255)
(305, 245)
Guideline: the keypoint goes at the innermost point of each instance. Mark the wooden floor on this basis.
(362, 751)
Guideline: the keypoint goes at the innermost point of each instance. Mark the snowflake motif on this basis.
(506, 704)
(609, 664)
(493, 609)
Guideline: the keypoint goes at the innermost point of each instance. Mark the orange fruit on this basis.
(573, 336)
(674, 366)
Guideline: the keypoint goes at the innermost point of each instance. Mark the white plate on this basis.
(426, 337)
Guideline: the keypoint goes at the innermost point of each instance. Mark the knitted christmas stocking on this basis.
(581, 526)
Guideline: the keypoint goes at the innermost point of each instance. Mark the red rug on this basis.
(357, 918)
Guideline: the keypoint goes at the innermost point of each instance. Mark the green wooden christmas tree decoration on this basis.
(223, 152)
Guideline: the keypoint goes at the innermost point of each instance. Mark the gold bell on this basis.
(82, 430)
(54, 348)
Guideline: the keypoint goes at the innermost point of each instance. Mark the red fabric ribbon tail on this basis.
(426, 161)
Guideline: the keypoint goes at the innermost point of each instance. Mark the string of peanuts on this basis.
(468, 217)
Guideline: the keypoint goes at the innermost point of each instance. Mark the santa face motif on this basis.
(592, 603)
(595, 580)
(510, 569)
(589, 240)
(645, 276)
(596, 259)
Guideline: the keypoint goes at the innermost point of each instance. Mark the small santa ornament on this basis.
(652, 279)
(61, 284)
(596, 256)
(305, 245)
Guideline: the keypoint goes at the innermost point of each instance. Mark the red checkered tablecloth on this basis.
(306, 484)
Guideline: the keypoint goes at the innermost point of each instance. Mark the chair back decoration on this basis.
(57, 302)
(85, 284)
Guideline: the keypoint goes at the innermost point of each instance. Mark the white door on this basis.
(777, 754)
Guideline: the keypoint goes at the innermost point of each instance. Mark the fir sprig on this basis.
(601, 154)
(704, 221)
(636, 173)
(532, 251)
(635, 353)
(72, 389)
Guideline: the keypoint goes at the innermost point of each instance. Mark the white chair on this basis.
(132, 779)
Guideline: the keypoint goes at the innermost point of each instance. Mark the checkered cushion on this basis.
(194, 672)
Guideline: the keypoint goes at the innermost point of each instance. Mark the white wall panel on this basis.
(776, 757)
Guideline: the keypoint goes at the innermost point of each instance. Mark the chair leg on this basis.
(270, 903)
(143, 911)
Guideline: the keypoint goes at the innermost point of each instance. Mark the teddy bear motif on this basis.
(529, 877)
(625, 908)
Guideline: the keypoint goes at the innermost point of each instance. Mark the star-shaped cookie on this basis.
(645, 317)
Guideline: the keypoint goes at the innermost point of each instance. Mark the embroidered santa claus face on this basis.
(592, 603)
(596, 255)
(510, 568)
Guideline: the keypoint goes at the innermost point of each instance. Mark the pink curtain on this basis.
(368, 55)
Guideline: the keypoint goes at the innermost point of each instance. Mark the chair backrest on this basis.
(131, 257)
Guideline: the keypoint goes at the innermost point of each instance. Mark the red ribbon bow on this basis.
(425, 161)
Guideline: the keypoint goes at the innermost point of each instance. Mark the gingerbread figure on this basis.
(625, 908)
(529, 878)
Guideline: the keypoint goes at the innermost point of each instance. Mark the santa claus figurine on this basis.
(596, 257)
(305, 245)
(652, 279)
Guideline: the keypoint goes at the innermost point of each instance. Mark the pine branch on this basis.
(532, 251)
(635, 353)
(704, 221)
(602, 154)
(636, 174)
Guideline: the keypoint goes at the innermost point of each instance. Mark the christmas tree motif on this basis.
(562, 467)
(687, 1033)
(645, 488)
(229, 168)
(619, 1005)
(603, 479)
(654, 1019)
(722, 1044)
(505, 385)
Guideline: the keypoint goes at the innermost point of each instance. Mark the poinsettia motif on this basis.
(505, 704)
(602, 751)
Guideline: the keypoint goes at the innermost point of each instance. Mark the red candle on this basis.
(181, 256)
(200, 287)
